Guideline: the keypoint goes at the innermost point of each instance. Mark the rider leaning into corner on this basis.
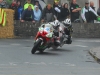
(56, 28)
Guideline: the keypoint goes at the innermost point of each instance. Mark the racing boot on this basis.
(57, 42)
(69, 40)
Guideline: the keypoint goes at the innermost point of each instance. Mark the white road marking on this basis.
(15, 44)
(12, 64)
(78, 45)
(16, 65)
(88, 40)
(41, 63)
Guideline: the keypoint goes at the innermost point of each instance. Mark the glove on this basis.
(57, 9)
(98, 18)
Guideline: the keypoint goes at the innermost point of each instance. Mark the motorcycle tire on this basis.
(41, 51)
(36, 45)
(54, 47)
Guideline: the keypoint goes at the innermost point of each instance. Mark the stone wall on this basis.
(25, 29)
(86, 30)
(81, 30)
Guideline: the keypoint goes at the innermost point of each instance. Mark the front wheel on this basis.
(36, 45)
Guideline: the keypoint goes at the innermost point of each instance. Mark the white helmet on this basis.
(55, 23)
(67, 21)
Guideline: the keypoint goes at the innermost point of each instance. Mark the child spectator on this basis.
(37, 13)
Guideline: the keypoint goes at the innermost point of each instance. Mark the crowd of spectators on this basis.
(32, 11)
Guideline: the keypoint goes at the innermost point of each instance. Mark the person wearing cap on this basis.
(28, 15)
(27, 4)
(37, 13)
(37, 3)
(87, 13)
(74, 10)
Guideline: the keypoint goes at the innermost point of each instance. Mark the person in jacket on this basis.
(64, 12)
(74, 10)
(92, 16)
(37, 13)
(98, 11)
(57, 10)
(28, 15)
(3, 4)
(92, 5)
(14, 6)
(48, 14)
(37, 3)
(19, 10)
(88, 13)
(27, 4)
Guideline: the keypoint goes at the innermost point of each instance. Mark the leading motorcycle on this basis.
(47, 37)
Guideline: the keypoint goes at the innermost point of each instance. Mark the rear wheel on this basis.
(54, 47)
(41, 51)
(36, 45)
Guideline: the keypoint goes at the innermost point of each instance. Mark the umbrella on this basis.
(42, 4)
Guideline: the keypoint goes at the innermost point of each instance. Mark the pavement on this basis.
(74, 59)
(95, 52)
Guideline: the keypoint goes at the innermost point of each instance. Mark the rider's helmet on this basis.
(55, 23)
(67, 22)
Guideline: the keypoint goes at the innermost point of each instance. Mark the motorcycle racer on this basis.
(68, 29)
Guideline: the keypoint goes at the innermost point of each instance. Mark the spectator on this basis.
(3, 4)
(57, 10)
(93, 17)
(37, 3)
(74, 9)
(14, 7)
(27, 4)
(8, 2)
(88, 13)
(48, 14)
(19, 10)
(92, 5)
(98, 11)
(37, 13)
(64, 12)
(28, 15)
(62, 5)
